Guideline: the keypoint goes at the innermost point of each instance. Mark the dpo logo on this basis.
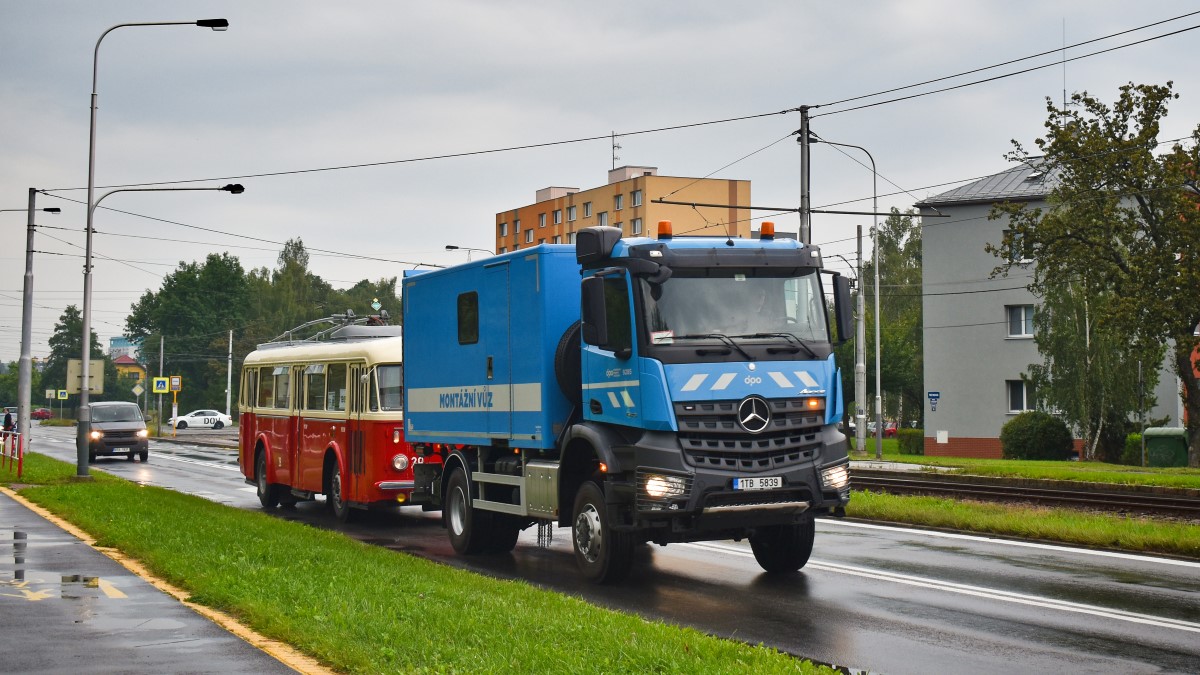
(752, 380)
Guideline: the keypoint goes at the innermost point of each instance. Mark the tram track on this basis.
(1180, 503)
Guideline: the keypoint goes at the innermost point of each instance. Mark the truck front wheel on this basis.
(783, 548)
(468, 528)
(603, 555)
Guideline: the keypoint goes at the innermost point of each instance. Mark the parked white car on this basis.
(201, 419)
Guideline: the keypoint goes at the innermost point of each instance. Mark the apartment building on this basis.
(627, 202)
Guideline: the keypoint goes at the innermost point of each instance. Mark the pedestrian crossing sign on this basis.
(160, 385)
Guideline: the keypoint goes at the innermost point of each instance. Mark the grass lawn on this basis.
(360, 608)
(1096, 472)
(1053, 524)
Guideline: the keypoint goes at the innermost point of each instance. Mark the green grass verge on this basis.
(1054, 524)
(1093, 472)
(361, 608)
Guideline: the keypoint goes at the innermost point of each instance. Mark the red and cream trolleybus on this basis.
(325, 417)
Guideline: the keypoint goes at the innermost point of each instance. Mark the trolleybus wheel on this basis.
(335, 496)
(266, 493)
(603, 554)
(468, 528)
(783, 548)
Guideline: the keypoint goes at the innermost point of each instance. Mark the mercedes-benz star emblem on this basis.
(754, 414)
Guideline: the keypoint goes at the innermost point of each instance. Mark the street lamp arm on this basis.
(233, 188)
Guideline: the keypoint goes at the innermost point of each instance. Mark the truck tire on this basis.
(568, 369)
(468, 528)
(604, 555)
(504, 533)
(266, 492)
(782, 549)
(335, 495)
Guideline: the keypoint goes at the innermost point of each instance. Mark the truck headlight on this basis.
(836, 477)
(143, 433)
(400, 462)
(96, 435)
(659, 486)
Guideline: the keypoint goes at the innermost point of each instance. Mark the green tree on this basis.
(1086, 370)
(66, 342)
(1126, 214)
(192, 313)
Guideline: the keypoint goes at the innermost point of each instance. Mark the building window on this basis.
(587, 209)
(516, 226)
(504, 229)
(558, 239)
(542, 241)
(570, 237)
(620, 226)
(504, 249)
(1020, 251)
(541, 220)
(618, 202)
(1020, 320)
(570, 214)
(528, 236)
(635, 198)
(558, 216)
(602, 218)
(1020, 396)
(635, 226)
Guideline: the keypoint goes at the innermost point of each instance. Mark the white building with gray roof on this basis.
(978, 330)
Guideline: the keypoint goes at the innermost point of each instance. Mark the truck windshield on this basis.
(703, 304)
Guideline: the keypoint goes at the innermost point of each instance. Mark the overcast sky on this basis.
(298, 86)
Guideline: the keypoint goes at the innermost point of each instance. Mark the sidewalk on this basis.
(67, 607)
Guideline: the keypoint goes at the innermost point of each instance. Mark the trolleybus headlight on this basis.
(143, 433)
(835, 477)
(400, 462)
(658, 486)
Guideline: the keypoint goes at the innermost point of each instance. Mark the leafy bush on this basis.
(912, 441)
(1132, 454)
(1036, 435)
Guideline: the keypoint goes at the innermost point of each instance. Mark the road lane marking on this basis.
(1011, 542)
(976, 591)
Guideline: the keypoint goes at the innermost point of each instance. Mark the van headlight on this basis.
(143, 433)
(96, 435)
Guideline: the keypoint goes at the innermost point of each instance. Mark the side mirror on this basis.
(843, 312)
(595, 322)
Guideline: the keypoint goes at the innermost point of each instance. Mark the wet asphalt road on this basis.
(888, 600)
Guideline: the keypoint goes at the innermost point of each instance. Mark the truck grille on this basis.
(711, 437)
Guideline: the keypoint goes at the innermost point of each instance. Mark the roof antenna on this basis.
(615, 148)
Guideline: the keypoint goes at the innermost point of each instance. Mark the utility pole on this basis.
(229, 373)
(860, 357)
(805, 173)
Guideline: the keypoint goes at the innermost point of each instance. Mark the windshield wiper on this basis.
(787, 336)
(719, 336)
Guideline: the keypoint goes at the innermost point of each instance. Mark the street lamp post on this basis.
(85, 420)
(25, 366)
(875, 258)
(468, 249)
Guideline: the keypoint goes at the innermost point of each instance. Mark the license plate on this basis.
(761, 483)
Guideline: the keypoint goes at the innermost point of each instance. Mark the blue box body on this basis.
(526, 300)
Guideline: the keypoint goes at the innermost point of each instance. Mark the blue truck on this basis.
(635, 390)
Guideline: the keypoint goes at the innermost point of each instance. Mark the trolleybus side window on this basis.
(266, 388)
(250, 387)
(314, 387)
(282, 383)
(335, 393)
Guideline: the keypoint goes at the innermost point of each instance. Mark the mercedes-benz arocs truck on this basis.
(635, 390)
